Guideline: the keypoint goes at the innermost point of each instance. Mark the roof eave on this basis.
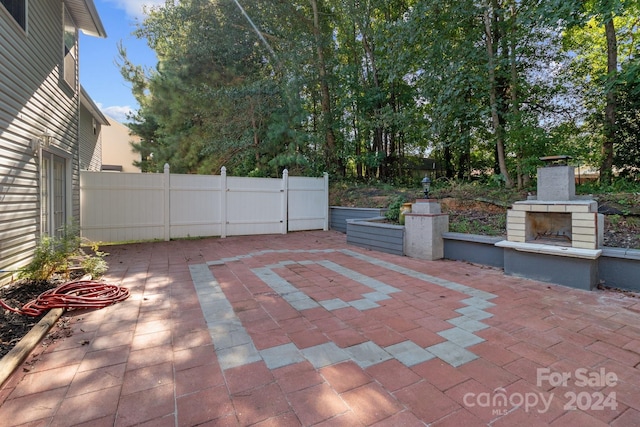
(88, 103)
(87, 18)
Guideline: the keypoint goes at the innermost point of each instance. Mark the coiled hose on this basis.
(77, 294)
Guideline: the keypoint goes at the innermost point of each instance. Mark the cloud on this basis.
(135, 8)
(119, 113)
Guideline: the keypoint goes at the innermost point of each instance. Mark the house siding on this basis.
(91, 144)
(32, 98)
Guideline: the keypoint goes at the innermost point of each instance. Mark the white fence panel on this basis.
(116, 207)
(195, 206)
(255, 206)
(308, 203)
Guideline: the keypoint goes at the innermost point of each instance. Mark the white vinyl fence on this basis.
(117, 207)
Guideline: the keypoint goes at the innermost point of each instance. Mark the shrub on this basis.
(95, 265)
(54, 254)
(51, 255)
(393, 212)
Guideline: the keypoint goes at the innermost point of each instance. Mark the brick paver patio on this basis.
(302, 329)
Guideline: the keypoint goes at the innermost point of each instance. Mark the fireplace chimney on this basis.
(556, 181)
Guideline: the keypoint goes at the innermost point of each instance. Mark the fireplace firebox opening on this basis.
(549, 228)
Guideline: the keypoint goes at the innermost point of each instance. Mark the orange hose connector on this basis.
(78, 294)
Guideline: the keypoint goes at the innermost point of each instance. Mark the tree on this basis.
(485, 81)
(434, 50)
(141, 124)
(354, 86)
(627, 148)
(213, 99)
(606, 168)
(604, 40)
(383, 111)
(320, 47)
(493, 23)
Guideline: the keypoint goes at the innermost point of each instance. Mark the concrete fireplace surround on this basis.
(556, 237)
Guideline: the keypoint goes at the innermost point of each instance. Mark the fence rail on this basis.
(119, 207)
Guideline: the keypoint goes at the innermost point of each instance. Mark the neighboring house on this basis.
(117, 153)
(39, 121)
(91, 133)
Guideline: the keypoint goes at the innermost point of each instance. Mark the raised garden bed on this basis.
(376, 234)
(338, 216)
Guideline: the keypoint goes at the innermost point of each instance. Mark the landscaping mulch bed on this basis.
(14, 326)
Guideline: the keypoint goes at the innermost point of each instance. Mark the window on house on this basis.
(17, 9)
(70, 66)
(53, 189)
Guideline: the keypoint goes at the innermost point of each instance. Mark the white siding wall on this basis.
(32, 98)
(91, 143)
(120, 207)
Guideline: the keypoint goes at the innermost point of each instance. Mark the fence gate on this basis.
(117, 207)
(308, 203)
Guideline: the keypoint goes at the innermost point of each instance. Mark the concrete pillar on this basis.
(423, 230)
(426, 206)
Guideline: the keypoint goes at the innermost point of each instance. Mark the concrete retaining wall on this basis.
(620, 268)
(616, 267)
(473, 248)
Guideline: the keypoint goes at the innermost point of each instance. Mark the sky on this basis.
(99, 74)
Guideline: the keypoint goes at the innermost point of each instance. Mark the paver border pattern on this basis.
(235, 347)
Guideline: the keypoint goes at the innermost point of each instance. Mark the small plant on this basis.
(462, 225)
(496, 180)
(633, 221)
(95, 264)
(51, 255)
(615, 219)
(393, 212)
(55, 254)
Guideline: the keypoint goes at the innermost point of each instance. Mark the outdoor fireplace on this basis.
(555, 227)
(556, 216)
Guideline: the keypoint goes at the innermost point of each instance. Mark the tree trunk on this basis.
(448, 169)
(606, 167)
(513, 90)
(491, 33)
(325, 100)
(379, 134)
